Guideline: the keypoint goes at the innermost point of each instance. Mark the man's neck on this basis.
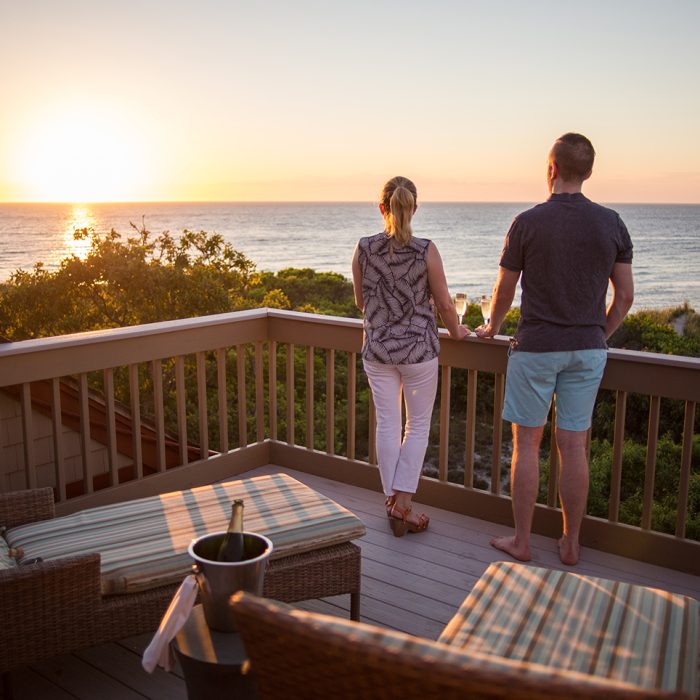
(563, 187)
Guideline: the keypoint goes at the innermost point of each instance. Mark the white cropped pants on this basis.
(401, 461)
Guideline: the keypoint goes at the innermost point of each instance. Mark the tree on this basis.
(307, 290)
(121, 282)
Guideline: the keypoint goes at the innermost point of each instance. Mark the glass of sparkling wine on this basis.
(486, 308)
(460, 300)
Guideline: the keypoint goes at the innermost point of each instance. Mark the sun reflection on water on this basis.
(80, 217)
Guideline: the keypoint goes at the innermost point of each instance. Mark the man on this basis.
(567, 249)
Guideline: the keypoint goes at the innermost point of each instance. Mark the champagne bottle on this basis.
(232, 545)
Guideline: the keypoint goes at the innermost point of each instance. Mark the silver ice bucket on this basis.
(219, 580)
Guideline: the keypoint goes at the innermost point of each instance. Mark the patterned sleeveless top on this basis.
(399, 321)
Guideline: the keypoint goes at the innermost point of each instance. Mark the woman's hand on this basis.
(462, 333)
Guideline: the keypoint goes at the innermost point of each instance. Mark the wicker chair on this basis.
(55, 607)
(290, 650)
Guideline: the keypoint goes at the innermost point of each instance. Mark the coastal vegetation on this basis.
(142, 278)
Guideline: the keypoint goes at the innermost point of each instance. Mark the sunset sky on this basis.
(301, 100)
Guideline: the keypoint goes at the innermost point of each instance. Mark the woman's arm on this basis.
(357, 280)
(441, 294)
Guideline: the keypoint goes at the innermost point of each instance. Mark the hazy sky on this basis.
(297, 99)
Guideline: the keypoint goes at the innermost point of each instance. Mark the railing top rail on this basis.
(47, 358)
(665, 375)
(107, 335)
(654, 358)
(161, 327)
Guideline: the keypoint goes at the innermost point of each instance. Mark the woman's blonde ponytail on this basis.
(399, 200)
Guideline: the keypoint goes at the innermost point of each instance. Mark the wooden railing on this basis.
(188, 402)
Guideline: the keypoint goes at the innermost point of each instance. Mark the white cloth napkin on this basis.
(158, 652)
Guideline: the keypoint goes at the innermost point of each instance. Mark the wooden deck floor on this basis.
(413, 584)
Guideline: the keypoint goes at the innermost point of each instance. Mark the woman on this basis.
(396, 278)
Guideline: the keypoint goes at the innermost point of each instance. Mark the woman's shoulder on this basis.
(371, 241)
(420, 243)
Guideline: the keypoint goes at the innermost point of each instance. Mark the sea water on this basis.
(322, 236)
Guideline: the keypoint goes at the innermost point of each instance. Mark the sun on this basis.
(81, 153)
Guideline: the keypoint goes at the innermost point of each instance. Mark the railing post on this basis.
(650, 469)
(352, 378)
(310, 397)
(84, 403)
(110, 417)
(202, 406)
(330, 402)
(242, 403)
(59, 454)
(272, 387)
(157, 368)
(498, 388)
(553, 491)
(259, 393)
(28, 436)
(222, 399)
(181, 408)
(135, 401)
(443, 454)
(470, 442)
(618, 450)
(290, 393)
(686, 459)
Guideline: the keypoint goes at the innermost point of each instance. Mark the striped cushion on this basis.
(608, 629)
(143, 543)
(357, 636)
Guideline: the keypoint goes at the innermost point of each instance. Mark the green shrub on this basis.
(666, 484)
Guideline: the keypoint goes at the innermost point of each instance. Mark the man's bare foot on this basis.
(508, 545)
(568, 551)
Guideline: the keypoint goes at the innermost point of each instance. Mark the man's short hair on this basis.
(574, 155)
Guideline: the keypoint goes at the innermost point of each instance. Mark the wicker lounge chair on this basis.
(57, 606)
(619, 651)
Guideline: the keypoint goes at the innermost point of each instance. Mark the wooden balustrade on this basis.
(172, 393)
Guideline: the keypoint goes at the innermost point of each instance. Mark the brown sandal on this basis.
(389, 504)
(400, 524)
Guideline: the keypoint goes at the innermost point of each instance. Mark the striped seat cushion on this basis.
(588, 625)
(143, 543)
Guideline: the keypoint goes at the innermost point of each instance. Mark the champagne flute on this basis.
(486, 308)
(460, 301)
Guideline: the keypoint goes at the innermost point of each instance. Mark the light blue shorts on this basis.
(573, 377)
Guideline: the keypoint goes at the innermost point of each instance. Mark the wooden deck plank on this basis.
(138, 645)
(461, 576)
(391, 575)
(384, 614)
(123, 663)
(413, 584)
(27, 684)
(84, 681)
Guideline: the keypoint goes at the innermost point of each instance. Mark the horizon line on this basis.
(318, 201)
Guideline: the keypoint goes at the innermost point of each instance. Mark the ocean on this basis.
(323, 235)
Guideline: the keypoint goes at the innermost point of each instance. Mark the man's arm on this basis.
(622, 296)
(357, 280)
(501, 300)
